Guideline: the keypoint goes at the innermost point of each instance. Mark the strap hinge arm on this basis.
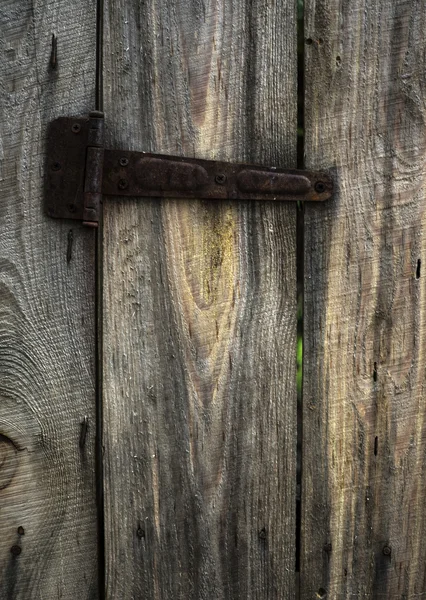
(80, 172)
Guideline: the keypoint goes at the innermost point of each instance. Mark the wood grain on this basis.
(200, 310)
(364, 468)
(48, 541)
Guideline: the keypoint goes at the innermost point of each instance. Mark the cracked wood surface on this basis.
(200, 310)
(48, 541)
(364, 467)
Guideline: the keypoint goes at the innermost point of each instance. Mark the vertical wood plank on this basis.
(364, 469)
(48, 541)
(200, 310)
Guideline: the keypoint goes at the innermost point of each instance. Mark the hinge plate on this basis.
(79, 172)
(67, 140)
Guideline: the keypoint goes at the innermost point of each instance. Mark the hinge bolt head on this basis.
(387, 551)
(76, 127)
(56, 166)
(122, 184)
(320, 187)
(220, 178)
(124, 161)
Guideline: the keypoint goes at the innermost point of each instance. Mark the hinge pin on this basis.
(94, 170)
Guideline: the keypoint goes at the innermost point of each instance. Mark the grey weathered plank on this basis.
(48, 540)
(199, 310)
(364, 420)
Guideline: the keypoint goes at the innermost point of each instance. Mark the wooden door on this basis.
(176, 340)
(199, 309)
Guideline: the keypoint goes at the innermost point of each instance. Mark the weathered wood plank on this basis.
(48, 541)
(364, 419)
(199, 310)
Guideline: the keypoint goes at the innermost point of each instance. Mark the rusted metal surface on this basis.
(94, 170)
(67, 140)
(79, 171)
(158, 176)
(251, 181)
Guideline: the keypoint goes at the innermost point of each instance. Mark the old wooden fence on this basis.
(148, 402)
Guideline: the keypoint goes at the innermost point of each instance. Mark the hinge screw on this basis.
(56, 166)
(16, 550)
(124, 161)
(320, 187)
(122, 184)
(220, 178)
(387, 551)
(76, 128)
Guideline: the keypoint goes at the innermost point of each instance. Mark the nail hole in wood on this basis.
(418, 270)
(53, 52)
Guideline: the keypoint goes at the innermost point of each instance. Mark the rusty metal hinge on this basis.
(80, 171)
